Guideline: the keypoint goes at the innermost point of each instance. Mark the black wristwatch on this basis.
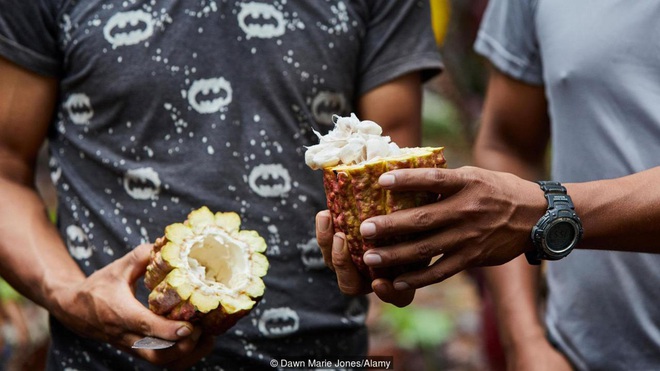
(558, 230)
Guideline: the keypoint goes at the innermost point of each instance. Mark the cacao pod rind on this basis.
(353, 195)
(207, 271)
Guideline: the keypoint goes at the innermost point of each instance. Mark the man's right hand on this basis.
(103, 307)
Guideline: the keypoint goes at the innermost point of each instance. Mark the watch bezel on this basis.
(554, 254)
(560, 210)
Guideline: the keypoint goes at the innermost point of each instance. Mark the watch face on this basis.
(560, 236)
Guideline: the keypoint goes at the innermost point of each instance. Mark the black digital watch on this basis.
(558, 231)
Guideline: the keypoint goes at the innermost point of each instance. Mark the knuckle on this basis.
(467, 171)
(340, 265)
(469, 174)
(435, 175)
(143, 326)
(320, 238)
(436, 274)
(328, 261)
(425, 249)
(339, 261)
(351, 288)
(325, 246)
(421, 219)
(475, 259)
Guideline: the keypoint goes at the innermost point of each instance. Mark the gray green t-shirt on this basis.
(166, 106)
(598, 62)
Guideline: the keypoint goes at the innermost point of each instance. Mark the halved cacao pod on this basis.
(353, 195)
(207, 271)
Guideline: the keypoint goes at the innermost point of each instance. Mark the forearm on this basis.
(503, 146)
(397, 107)
(619, 214)
(514, 290)
(33, 258)
(513, 286)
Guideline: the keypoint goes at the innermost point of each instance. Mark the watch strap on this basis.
(558, 199)
(532, 258)
(556, 195)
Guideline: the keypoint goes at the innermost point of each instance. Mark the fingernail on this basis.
(401, 286)
(386, 180)
(184, 331)
(324, 223)
(337, 243)
(371, 258)
(367, 229)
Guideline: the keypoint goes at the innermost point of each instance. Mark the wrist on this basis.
(58, 295)
(559, 230)
(536, 206)
(514, 340)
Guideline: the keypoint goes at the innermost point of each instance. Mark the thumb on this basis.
(324, 236)
(134, 264)
(140, 319)
(349, 279)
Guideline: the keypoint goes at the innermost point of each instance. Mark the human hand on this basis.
(103, 307)
(482, 218)
(351, 282)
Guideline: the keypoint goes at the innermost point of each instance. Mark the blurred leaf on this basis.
(52, 215)
(7, 293)
(439, 117)
(418, 327)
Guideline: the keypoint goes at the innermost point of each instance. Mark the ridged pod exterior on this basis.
(353, 195)
(230, 284)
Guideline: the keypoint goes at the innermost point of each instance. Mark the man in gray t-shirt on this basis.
(583, 76)
(596, 63)
(155, 108)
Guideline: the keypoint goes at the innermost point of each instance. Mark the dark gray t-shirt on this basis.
(598, 61)
(166, 106)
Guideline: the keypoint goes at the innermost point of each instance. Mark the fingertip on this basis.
(190, 340)
(385, 291)
(184, 331)
(401, 286)
(387, 180)
(372, 259)
(379, 286)
(405, 299)
(143, 251)
(367, 229)
(323, 221)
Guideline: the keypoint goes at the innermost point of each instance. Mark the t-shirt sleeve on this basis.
(28, 35)
(399, 40)
(507, 38)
